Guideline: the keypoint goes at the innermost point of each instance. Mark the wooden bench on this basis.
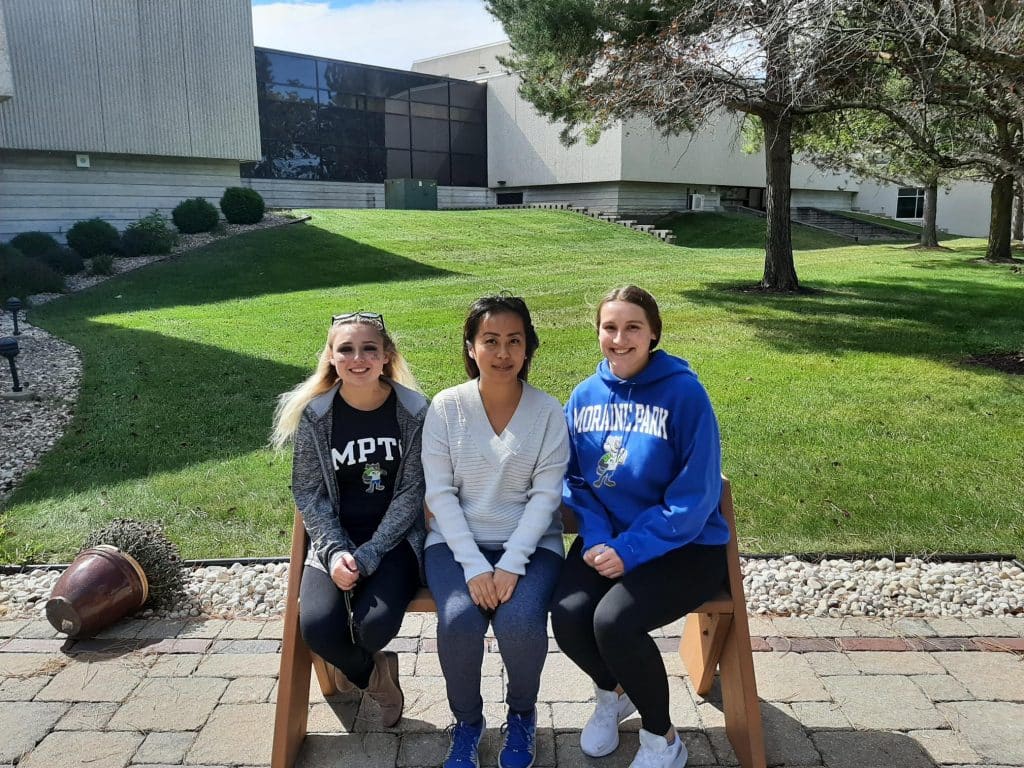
(716, 636)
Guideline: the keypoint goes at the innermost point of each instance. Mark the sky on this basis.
(388, 33)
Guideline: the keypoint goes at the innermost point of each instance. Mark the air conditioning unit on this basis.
(696, 202)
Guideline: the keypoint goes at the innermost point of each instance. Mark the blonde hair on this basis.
(292, 403)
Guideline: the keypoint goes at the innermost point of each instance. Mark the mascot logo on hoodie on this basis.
(614, 457)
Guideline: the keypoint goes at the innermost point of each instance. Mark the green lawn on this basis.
(848, 420)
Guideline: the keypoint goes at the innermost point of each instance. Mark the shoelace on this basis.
(518, 735)
(463, 743)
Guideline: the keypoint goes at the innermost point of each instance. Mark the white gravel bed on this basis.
(788, 587)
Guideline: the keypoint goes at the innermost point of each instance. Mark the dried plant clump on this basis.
(158, 556)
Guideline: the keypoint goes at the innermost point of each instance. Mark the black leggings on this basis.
(378, 604)
(603, 624)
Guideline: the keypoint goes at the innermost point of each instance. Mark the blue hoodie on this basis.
(644, 472)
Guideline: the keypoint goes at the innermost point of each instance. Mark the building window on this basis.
(910, 203)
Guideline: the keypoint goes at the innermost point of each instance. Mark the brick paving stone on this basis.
(247, 690)
(761, 626)
(792, 626)
(945, 746)
(366, 750)
(10, 627)
(1005, 644)
(947, 626)
(337, 716)
(169, 704)
(989, 676)
(21, 688)
(990, 626)
(890, 663)
(859, 698)
(720, 745)
(240, 665)
(34, 645)
(941, 687)
(422, 749)
(109, 679)
(802, 644)
(179, 645)
(428, 644)
(987, 727)
(87, 716)
(866, 627)
(831, 663)
(108, 645)
(818, 715)
(128, 628)
(912, 626)
(272, 630)
(673, 663)
(39, 629)
(245, 646)
(429, 664)
(827, 626)
(404, 645)
(667, 644)
(207, 629)
(160, 629)
(785, 741)
(412, 625)
(242, 629)
(1015, 625)
(23, 724)
(167, 747)
(759, 644)
(873, 644)
(787, 677)
(83, 749)
(562, 680)
(230, 738)
(873, 749)
(942, 643)
(426, 704)
(175, 665)
(569, 755)
(31, 664)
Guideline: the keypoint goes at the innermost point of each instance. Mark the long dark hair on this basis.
(496, 305)
(640, 297)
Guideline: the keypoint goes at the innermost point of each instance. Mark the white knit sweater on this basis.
(494, 491)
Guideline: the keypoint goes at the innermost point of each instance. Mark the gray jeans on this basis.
(520, 626)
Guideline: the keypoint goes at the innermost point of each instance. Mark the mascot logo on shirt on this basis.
(613, 458)
(372, 476)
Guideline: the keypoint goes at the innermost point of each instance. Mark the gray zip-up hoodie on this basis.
(316, 492)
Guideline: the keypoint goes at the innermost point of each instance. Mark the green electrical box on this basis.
(412, 194)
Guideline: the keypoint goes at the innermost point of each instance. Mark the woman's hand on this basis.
(505, 584)
(345, 572)
(608, 563)
(594, 551)
(483, 591)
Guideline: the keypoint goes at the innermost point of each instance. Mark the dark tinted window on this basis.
(391, 84)
(283, 160)
(469, 171)
(470, 95)
(910, 203)
(431, 92)
(467, 115)
(399, 164)
(509, 198)
(375, 129)
(288, 121)
(429, 134)
(436, 111)
(285, 69)
(338, 99)
(431, 165)
(396, 131)
(469, 137)
(290, 93)
(397, 106)
(340, 76)
(343, 126)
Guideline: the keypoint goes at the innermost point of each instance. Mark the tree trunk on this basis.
(1018, 211)
(779, 268)
(929, 234)
(999, 223)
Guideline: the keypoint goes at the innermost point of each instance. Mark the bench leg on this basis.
(739, 700)
(701, 645)
(292, 710)
(324, 676)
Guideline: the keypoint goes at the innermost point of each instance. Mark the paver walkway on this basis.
(836, 693)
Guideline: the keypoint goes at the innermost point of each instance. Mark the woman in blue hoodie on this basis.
(644, 480)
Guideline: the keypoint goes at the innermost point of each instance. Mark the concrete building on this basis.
(112, 108)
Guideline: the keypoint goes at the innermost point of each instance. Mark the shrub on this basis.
(22, 276)
(101, 264)
(242, 205)
(150, 234)
(35, 244)
(195, 215)
(63, 260)
(92, 237)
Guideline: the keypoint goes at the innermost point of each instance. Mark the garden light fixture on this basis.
(9, 349)
(14, 306)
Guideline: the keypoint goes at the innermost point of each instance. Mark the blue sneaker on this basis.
(463, 750)
(520, 745)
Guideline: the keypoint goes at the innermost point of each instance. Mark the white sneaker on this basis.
(600, 735)
(656, 752)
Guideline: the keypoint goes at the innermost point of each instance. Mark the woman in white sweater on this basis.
(494, 454)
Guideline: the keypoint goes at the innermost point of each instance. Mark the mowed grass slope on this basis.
(848, 419)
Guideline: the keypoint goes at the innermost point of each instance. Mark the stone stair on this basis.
(846, 227)
(665, 235)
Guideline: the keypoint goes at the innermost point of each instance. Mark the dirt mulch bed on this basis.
(1006, 362)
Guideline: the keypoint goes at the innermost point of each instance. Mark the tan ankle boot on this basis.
(341, 682)
(384, 687)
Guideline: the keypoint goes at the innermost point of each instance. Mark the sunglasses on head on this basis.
(375, 317)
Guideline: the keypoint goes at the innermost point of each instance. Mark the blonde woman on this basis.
(357, 480)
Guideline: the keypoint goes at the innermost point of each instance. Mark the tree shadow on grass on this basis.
(936, 318)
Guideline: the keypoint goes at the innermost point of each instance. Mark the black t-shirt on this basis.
(366, 449)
